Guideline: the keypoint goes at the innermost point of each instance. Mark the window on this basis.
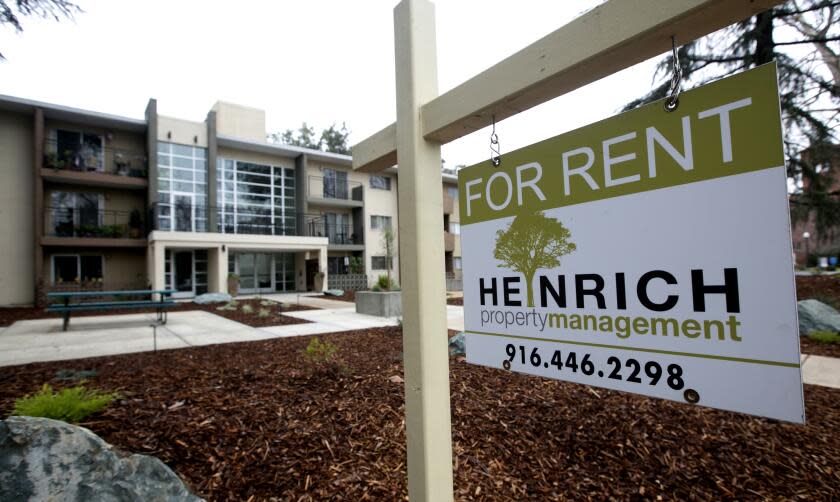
(335, 184)
(456, 263)
(452, 191)
(380, 182)
(76, 268)
(380, 222)
(75, 212)
(79, 150)
(182, 187)
(338, 265)
(455, 228)
(378, 263)
(256, 198)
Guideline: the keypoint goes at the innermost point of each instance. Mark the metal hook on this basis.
(673, 99)
(495, 149)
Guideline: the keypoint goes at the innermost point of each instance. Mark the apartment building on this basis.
(97, 201)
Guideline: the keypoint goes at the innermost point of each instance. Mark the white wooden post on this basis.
(428, 427)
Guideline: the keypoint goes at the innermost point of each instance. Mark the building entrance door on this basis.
(183, 278)
(256, 274)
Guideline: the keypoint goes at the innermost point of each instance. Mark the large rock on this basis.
(457, 346)
(815, 315)
(44, 459)
(208, 298)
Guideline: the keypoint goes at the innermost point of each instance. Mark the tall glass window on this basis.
(182, 188)
(256, 198)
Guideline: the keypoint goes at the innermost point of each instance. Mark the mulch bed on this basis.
(257, 420)
(824, 288)
(9, 316)
(455, 301)
(348, 296)
(806, 346)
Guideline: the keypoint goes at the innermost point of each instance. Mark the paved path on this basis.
(821, 370)
(92, 336)
(42, 339)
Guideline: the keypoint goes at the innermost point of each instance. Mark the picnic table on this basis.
(67, 306)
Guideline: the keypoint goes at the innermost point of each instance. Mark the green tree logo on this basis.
(531, 242)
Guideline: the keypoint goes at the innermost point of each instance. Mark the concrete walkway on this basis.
(92, 336)
(42, 339)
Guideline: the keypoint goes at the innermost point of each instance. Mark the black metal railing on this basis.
(93, 222)
(97, 159)
(335, 233)
(334, 188)
(184, 217)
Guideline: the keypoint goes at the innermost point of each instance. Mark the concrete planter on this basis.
(379, 303)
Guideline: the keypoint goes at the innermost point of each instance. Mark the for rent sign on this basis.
(649, 253)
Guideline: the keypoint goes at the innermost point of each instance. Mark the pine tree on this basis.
(809, 87)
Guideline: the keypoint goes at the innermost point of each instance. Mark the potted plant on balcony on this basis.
(135, 224)
(52, 161)
(122, 164)
(233, 284)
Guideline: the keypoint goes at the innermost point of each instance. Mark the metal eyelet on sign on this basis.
(673, 99)
(691, 396)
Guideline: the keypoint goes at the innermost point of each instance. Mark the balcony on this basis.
(186, 217)
(334, 192)
(91, 227)
(448, 242)
(448, 204)
(95, 166)
(341, 237)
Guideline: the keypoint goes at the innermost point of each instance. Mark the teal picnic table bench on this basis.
(72, 301)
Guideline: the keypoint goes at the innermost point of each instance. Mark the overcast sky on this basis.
(318, 61)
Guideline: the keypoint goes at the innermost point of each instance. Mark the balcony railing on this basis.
(92, 159)
(231, 220)
(339, 234)
(185, 217)
(93, 223)
(334, 189)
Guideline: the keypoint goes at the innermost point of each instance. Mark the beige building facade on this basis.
(102, 202)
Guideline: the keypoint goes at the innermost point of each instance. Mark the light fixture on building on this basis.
(168, 134)
(195, 139)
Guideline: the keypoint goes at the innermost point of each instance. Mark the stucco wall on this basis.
(376, 202)
(17, 268)
(381, 203)
(256, 157)
(240, 121)
(182, 131)
(121, 268)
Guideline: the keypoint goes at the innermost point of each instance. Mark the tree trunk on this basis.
(529, 282)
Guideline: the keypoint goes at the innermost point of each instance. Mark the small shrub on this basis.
(320, 352)
(229, 306)
(264, 313)
(825, 337)
(247, 309)
(386, 283)
(71, 404)
(266, 303)
(376, 288)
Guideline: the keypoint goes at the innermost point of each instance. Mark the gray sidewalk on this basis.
(92, 336)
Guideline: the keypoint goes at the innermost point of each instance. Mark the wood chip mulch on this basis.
(807, 346)
(455, 301)
(9, 316)
(825, 288)
(258, 421)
